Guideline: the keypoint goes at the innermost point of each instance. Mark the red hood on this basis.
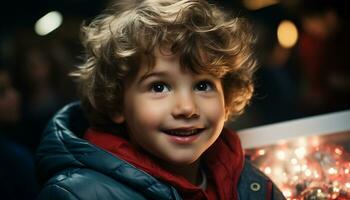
(223, 161)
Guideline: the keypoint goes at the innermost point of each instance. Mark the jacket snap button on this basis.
(255, 186)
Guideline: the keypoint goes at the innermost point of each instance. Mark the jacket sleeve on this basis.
(86, 184)
(56, 192)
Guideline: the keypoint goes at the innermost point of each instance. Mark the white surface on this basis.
(316, 125)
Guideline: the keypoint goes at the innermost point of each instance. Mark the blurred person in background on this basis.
(277, 90)
(42, 77)
(17, 174)
(323, 47)
(9, 104)
(278, 86)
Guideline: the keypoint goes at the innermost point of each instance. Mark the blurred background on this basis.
(302, 51)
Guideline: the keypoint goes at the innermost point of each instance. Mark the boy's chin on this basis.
(182, 161)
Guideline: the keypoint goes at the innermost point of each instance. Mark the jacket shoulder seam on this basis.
(59, 130)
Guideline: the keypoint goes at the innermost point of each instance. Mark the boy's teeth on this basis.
(182, 133)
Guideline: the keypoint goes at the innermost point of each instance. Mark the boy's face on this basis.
(173, 114)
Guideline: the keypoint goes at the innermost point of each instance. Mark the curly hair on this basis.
(206, 38)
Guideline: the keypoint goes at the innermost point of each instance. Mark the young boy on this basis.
(160, 79)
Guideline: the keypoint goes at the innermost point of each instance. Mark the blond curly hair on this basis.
(206, 38)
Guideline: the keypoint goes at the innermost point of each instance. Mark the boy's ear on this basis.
(118, 118)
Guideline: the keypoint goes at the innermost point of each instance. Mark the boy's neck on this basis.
(190, 172)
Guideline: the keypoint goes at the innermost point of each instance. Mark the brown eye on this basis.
(159, 87)
(204, 86)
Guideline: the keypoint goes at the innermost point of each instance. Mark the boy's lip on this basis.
(183, 131)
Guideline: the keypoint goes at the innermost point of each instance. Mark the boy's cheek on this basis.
(149, 114)
(215, 108)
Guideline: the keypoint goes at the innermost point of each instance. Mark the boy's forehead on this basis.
(168, 65)
(164, 59)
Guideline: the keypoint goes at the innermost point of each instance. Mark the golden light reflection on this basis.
(332, 171)
(281, 155)
(338, 151)
(294, 161)
(300, 152)
(287, 34)
(261, 152)
(267, 170)
(258, 4)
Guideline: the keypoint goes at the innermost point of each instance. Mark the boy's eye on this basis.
(159, 87)
(204, 86)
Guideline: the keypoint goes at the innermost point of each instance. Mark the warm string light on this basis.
(316, 171)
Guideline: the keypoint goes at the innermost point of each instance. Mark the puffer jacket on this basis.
(74, 169)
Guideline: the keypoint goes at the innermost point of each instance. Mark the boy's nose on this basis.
(185, 107)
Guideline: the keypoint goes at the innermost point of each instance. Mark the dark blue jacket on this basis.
(74, 169)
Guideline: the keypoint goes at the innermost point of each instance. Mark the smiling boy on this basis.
(173, 113)
(160, 79)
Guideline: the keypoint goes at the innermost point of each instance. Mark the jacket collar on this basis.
(223, 162)
(61, 148)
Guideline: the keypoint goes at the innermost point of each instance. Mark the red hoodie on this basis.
(223, 163)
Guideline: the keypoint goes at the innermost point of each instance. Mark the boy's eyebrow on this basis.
(148, 75)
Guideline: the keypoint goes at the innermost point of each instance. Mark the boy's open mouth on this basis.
(183, 132)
